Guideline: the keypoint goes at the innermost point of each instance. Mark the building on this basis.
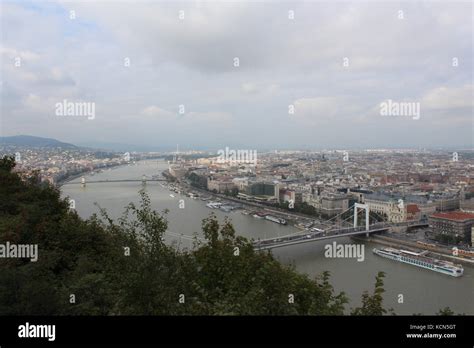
(241, 183)
(393, 208)
(291, 196)
(177, 171)
(447, 203)
(456, 224)
(472, 235)
(264, 189)
(467, 206)
(330, 204)
(220, 185)
(334, 205)
(413, 213)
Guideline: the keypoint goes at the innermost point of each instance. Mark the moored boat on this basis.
(420, 260)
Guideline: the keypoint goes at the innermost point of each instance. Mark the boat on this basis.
(420, 260)
(226, 208)
(213, 205)
(275, 219)
(259, 215)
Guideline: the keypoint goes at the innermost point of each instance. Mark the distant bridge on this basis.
(84, 182)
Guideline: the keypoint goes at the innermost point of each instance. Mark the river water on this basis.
(423, 291)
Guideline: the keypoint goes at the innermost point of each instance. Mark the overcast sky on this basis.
(418, 52)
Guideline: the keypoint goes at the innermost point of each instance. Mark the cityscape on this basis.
(430, 193)
(238, 159)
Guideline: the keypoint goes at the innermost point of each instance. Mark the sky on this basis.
(262, 75)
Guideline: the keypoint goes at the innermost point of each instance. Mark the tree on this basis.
(373, 305)
(445, 311)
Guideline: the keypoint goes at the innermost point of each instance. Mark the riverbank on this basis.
(292, 217)
(88, 172)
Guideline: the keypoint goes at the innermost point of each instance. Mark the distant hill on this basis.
(28, 140)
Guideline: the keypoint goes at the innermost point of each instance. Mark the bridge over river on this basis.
(309, 236)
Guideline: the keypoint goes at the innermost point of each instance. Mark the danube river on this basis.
(423, 291)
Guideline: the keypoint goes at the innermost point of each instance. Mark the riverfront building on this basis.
(455, 224)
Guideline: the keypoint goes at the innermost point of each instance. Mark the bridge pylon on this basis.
(366, 208)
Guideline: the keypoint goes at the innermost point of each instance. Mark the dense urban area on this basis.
(306, 188)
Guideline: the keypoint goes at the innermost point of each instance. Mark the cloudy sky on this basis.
(332, 63)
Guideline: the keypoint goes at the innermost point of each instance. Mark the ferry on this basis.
(275, 219)
(420, 260)
(226, 208)
(213, 205)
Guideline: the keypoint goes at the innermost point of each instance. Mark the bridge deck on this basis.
(114, 180)
(308, 237)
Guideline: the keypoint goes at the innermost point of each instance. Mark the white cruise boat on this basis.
(419, 260)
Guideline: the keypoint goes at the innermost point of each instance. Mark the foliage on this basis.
(445, 311)
(373, 304)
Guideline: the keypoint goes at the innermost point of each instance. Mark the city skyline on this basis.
(308, 75)
(121, 147)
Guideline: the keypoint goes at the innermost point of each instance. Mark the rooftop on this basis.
(454, 215)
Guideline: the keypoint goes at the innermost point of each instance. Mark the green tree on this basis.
(373, 304)
(445, 311)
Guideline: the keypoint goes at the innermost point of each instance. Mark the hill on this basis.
(29, 140)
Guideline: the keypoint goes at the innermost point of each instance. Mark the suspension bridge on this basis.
(336, 230)
(83, 181)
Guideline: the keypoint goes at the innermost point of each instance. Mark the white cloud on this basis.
(213, 119)
(283, 61)
(12, 53)
(316, 109)
(156, 112)
(449, 97)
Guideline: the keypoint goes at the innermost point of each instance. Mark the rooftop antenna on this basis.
(175, 157)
